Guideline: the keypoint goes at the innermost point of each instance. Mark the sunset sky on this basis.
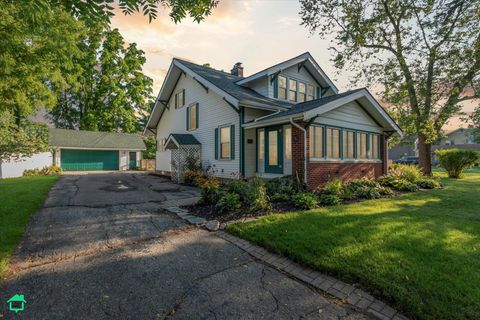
(258, 33)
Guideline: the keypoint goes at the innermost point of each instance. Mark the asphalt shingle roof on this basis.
(309, 105)
(94, 140)
(184, 138)
(226, 82)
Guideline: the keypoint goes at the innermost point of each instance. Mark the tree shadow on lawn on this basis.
(420, 252)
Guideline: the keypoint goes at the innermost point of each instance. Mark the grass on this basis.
(419, 252)
(19, 199)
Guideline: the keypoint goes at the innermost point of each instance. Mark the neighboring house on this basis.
(288, 119)
(74, 150)
(458, 136)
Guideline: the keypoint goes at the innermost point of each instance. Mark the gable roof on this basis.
(228, 83)
(308, 62)
(314, 108)
(184, 138)
(66, 138)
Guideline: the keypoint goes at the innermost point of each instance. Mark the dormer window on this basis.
(310, 92)
(282, 87)
(292, 90)
(301, 92)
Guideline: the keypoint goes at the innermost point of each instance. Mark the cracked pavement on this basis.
(100, 251)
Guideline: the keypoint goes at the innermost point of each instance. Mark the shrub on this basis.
(256, 196)
(330, 199)
(356, 184)
(403, 185)
(229, 202)
(305, 200)
(333, 187)
(457, 160)
(366, 188)
(366, 192)
(210, 191)
(192, 178)
(45, 171)
(284, 185)
(279, 197)
(406, 172)
(239, 187)
(385, 191)
(428, 183)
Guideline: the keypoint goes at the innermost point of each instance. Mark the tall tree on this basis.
(112, 93)
(425, 54)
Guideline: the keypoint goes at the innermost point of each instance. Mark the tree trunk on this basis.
(425, 155)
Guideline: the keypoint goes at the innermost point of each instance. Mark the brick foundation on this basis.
(319, 173)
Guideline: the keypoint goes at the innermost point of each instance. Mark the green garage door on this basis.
(86, 160)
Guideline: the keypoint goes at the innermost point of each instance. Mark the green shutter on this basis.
(318, 93)
(188, 118)
(275, 87)
(232, 141)
(216, 143)
(196, 109)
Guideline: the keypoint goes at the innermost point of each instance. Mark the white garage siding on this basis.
(15, 168)
(213, 113)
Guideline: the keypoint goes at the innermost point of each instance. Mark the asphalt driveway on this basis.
(102, 248)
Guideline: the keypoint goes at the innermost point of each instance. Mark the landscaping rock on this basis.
(212, 225)
(222, 226)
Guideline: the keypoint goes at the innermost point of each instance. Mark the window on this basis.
(261, 144)
(361, 145)
(282, 87)
(316, 142)
(333, 143)
(348, 144)
(301, 92)
(225, 143)
(273, 148)
(192, 117)
(374, 146)
(292, 90)
(288, 143)
(180, 99)
(310, 92)
(161, 144)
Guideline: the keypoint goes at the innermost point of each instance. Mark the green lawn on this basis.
(419, 252)
(19, 199)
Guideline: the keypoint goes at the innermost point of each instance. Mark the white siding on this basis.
(15, 168)
(261, 85)
(350, 116)
(213, 112)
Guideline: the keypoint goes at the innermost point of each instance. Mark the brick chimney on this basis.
(237, 70)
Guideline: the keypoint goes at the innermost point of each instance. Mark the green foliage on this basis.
(45, 171)
(366, 188)
(285, 185)
(333, 187)
(406, 172)
(109, 68)
(257, 198)
(330, 199)
(210, 191)
(457, 160)
(406, 186)
(305, 200)
(240, 187)
(229, 202)
(280, 197)
(410, 49)
(151, 144)
(428, 183)
(193, 178)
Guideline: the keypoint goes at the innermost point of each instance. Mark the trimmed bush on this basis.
(428, 183)
(45, 171)
(229, 202)
(305, 200)
(210, 191)
(457, 160)
(406, 172)
(280, 197)
(330, 199)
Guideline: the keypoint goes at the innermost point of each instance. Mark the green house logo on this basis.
(16, 303)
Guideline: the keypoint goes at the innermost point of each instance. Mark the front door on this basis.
(133, 160)
(274, 149)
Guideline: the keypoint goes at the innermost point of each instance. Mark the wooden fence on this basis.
(147, 164)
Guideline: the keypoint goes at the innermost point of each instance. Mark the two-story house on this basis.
(288, 119)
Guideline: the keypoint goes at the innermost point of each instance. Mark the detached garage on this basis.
(91, 151)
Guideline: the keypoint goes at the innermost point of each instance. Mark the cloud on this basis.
(289, 21)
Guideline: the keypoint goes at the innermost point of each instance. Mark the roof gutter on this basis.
(304, 148)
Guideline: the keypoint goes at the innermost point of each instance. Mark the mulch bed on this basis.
(208, 212)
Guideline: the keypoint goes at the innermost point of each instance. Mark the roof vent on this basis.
(237, 70)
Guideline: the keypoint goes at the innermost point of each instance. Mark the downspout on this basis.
(304, 148)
